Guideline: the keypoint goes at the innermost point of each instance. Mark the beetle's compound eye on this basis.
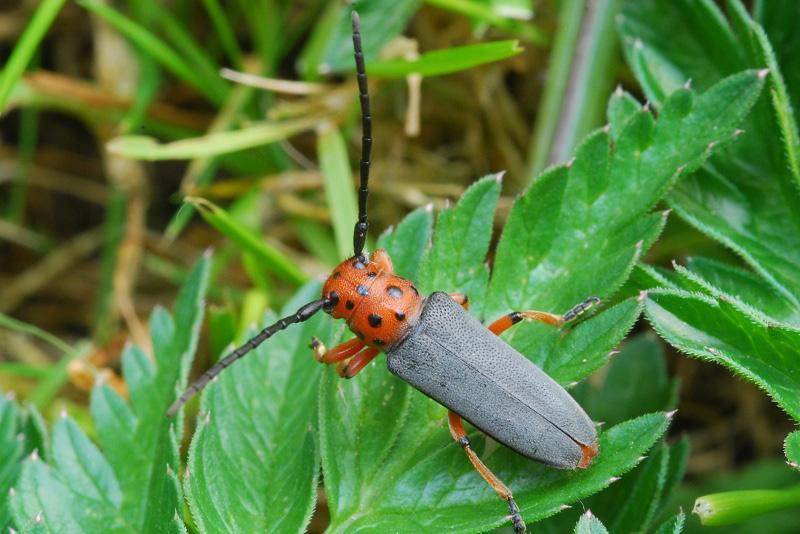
(331, 302)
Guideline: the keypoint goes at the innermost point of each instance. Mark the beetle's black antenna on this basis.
(360, 231)
(303, 314)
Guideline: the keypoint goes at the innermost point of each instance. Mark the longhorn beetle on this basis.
(438, 348)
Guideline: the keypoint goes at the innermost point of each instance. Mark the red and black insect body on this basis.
(434, 345)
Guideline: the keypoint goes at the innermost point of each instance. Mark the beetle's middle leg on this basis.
(460, 435)
(509, 320)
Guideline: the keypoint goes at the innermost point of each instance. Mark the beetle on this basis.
(436, 346)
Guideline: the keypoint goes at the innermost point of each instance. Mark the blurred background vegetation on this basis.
(91, 239)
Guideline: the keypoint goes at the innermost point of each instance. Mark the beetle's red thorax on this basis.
(378, 306)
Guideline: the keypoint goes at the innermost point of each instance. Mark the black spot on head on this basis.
(372, 274)
(349, 304)
(337, 274)
(375, 320)
(332, 300)
(362, 290)
(378, 342)
(358, 265)
(400, 316)
(394, 292)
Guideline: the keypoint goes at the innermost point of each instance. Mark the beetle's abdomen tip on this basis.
(588, 453)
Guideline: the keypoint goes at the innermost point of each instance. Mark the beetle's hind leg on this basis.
(458, 433)
(509, 320)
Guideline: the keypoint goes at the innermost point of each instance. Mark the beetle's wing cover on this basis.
(458, 362)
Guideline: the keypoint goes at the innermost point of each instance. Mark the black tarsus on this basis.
(303, 314)
(360, 230)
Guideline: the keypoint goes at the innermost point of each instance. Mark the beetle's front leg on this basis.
(507, 321)
(337, 353)
(460, 435)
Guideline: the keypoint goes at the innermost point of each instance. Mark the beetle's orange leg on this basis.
(337, 353)
(381, 257)
(460, 435)
(461, 298)
(357, 363)
(507, 321)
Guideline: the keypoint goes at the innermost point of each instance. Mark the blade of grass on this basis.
(493, 17)
(155, 47)
(225, 32)
(28, 136)
(445, 61)
(339, 190)
(147, 148)
(26, 47)
(271, 258)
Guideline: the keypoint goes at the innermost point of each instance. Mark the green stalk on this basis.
(578, 83)
(736, 506)
(339, 190)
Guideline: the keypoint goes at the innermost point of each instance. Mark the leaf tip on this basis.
(665, 214)
(607, 128)
(612, 480)
(62, 414)
(680, 170)
(712, 350)
(646, 106)
(642, 295)
(429, 207)
(618, 91)
(11, 493)
(762, 74)
(564, 507)
(589, 512)
(569, 163)
(793, 465)
(737, 132)
(599, 424)
(687, 84)
(641, 459)
(39, 517)
(613, 353)
(669, 415)
(35, 455)
(638, 44)
(498, 177)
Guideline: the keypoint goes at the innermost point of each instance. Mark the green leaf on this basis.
(635, 382)
(212, 144)
(455, 262)
(11, 451)
(445, 61)
(747, 196)
(131, 486)
(589, 524)
(409, 241)
(506, 15)
(792, 449)
(719, 330)
(673, 525)
(254, 458)
(723, 280)
(269, 258)
(403, 445)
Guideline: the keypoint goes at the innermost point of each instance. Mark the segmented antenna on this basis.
(303, 314)
(360, 230)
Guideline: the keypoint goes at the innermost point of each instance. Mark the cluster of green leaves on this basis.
(132, 485)
(747, 196)
(385, 450)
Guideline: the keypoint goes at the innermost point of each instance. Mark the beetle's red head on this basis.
(377, 305)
